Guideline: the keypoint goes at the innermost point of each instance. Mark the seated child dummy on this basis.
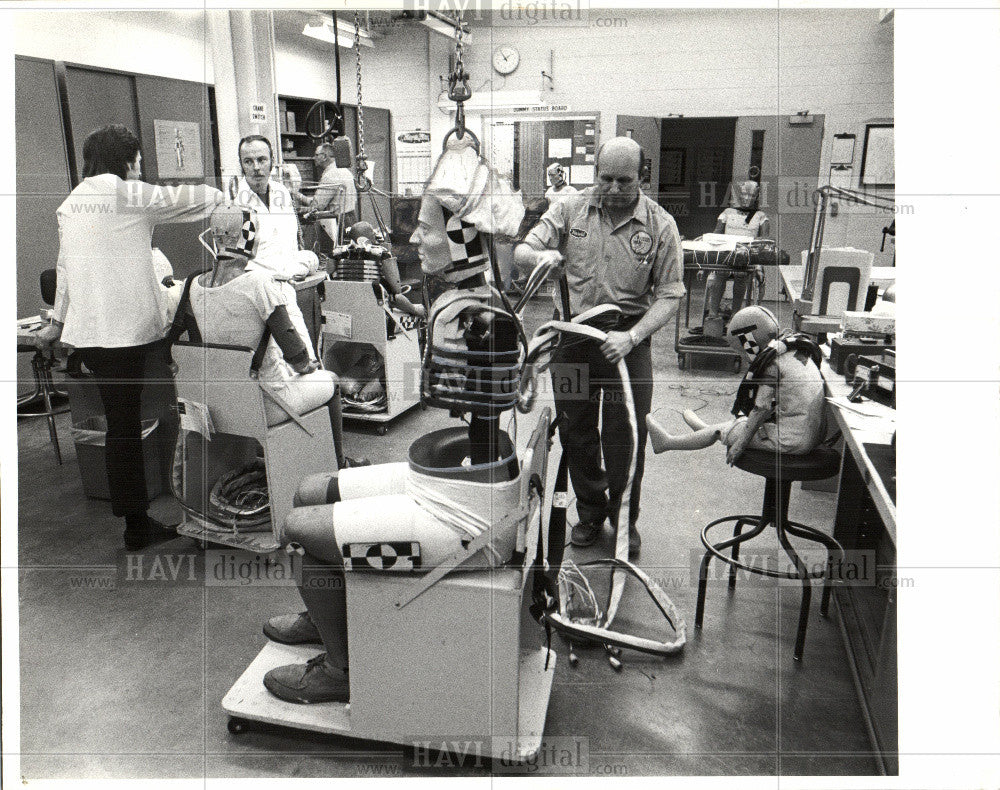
(780, 404)
(232, 306)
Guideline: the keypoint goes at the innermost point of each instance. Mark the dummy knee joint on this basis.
(312, 528)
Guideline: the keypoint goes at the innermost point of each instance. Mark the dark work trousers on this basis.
(118, 373)
(587, 389)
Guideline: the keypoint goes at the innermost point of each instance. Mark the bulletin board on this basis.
(878, 158)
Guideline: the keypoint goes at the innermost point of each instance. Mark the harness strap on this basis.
(456, 558)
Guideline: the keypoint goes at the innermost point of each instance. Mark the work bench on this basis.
(865, 525)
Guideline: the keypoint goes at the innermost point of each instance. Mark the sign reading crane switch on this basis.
(257, 113)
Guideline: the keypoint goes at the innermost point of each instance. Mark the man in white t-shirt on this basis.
(558, 188)
(278, 226)
(336, 192)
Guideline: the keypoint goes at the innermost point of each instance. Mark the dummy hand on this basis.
(739, 438)
(47, 335)
(308, 366)
(617, 346)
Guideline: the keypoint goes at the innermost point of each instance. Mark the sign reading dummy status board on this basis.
(178, 149)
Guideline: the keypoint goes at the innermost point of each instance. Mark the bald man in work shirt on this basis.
(618, 247)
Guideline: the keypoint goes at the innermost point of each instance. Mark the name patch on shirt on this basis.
(641, 242)
(580, 233)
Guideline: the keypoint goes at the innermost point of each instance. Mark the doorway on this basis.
(696, 167)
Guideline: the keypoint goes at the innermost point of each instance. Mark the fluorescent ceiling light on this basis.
(445, 28)
(345, 34)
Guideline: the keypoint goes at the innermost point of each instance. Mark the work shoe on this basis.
(292, 629)
(634, 542)
(584, 533)
(349, 462)
(147, 533)
(313, 681)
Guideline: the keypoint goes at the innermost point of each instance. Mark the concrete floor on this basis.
(125, 679)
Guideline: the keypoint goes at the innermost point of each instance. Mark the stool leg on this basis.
(784, 493)
(699, 612)
(831, 545)
(736, 554)
(46, 381)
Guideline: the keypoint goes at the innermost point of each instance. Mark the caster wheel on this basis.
(681, 361)
(382, 430)
(238, 726)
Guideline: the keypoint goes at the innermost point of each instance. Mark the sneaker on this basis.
(292, 629)
(634, 542)
(352, 462)
(149, 533)
(584, 533)
(313, 681)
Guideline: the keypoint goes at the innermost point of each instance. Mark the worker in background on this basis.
(742, 218)
(278, 225)
(558, 187)
(110, 302)
(336, 194)
(619, 248)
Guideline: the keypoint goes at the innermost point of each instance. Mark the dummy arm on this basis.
(746, 431)
(292, 348)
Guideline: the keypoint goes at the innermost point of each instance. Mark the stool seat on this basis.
(821, 463)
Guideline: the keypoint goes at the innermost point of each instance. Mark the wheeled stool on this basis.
(779, 472)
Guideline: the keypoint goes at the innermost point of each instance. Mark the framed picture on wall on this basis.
(878, 158)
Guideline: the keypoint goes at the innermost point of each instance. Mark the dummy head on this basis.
(447, 245)
(619, 161)
(745, 194)
(751, 329)
(556, 174)
(364, 230)
(232, 231)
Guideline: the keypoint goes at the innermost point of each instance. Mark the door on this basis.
(787, 157)
(43, 182)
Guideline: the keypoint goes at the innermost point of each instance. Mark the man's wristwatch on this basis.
(634, 337)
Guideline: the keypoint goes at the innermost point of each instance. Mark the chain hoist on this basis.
(459, 89)
(364, 183)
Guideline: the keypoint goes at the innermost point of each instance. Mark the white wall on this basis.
(163, 43)
(838, 62)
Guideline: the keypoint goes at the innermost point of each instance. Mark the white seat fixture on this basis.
(454, 660)
(218, 377)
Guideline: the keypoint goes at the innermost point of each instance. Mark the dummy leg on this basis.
(692, 419)
(715, 286)
(327, 488)
(323, 589)
(740, 282)
(698, 440)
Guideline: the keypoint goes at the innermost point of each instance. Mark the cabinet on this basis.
(867, 608)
